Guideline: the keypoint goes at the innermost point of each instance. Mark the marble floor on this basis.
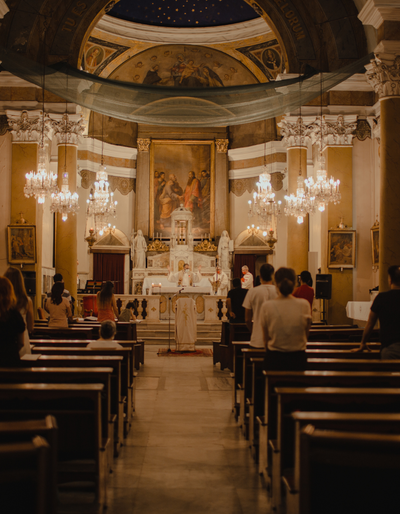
(185, 453)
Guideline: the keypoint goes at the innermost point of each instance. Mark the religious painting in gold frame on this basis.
(21, 244)
(341, 248)
(375, 245)
(182, 172)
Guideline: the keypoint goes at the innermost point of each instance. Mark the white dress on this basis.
(185, 325)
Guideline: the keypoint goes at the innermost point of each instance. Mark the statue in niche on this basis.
(223, 250)
(138, 250)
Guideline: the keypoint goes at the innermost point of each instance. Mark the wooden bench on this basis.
(342, 399)
(348, 472)
(339, 345)
(127, 376)
(24, 474)
(359, 364)
(223, 350)
(82, 448)
(348, 422)
(340, 334)
(24, 431)
(72, 332)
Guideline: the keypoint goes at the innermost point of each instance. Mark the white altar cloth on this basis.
(358, 310)
(202, 287)
(185, 325)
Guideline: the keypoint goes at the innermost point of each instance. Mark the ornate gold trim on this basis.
(222, 145)
(143, 145)
(157, 246)
(205, 246)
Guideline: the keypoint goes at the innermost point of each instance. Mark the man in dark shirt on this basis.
(234, 302)
(386, 308)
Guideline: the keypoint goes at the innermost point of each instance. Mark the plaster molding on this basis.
(256, 171)
(253, 152)
(188, 36)
(27, 126)
(296, 130)
(222, 145)
(96, 146)
(357, 82)
(375, 12)
(384, 75)
(143, 145)
(375, 124)
(117, 171)
(336, 130)
(7, 79)
(67, 128)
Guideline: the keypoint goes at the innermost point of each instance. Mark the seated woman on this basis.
(286, 323)
(12, 326)
(58, 307)
(106, 304)
(305, 289)
(108, 329)
(127, 313)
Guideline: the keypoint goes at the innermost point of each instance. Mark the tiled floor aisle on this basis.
(184, 453)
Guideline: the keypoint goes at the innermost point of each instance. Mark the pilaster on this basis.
(142, 215)
(221, 187)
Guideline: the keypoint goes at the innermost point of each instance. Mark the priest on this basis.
(219, 282)
(247, 279)
(184, 278)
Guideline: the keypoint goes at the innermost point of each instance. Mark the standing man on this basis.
(247, 279)
(386, 308)
(193, 196)
(220, 282)
(185, 277)
(253, 302)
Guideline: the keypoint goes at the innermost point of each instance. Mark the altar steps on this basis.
(157, 333)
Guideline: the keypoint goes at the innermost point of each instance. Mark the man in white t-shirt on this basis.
(253, 302)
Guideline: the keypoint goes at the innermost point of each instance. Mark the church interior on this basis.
(139, 139)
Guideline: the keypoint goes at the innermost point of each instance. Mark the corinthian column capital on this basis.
(334, 130)
(143, 144)
(28, 126)
(67, 128)
(296, 131)
(222, 145)
(383, 74)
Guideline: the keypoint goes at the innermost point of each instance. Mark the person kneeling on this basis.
(108, 329)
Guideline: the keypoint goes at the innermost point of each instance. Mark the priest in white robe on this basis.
(220, 282)
(247, 279)
(184, 278)
(185, 325)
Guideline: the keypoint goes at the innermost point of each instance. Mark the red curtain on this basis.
(244, 259)
(110, 266)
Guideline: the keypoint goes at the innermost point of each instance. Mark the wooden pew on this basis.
(23, 431)
(82, 448)
(72, 332)
(349, 472)
(223, 351)
(236, 375)
(348, 422)
(359, 364)
(24, 473)
(343, 399)
(126, 374)
(339, 345)
(112, 406)
(340, 334)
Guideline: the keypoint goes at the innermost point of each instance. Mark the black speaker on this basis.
(323, 287)
(30, 282)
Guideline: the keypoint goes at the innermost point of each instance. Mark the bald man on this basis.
(247, 279)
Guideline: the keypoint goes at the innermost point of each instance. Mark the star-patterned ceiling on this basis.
(184, 13)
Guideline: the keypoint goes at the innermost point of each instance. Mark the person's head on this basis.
(394, 276)
(172, 177)
(306, 278)
(130, 305)
(218, 270)
(186, 267)
(266, 273)
(191, 177)
(245, 269)
(161, 175)
(56, 293)
(108, 329)
(285, 279)
(7, 296)
(204, 173)
(14, 275)
(58, 278)
(236, 282)
(106, 293)
(156, 174)
(139, 233)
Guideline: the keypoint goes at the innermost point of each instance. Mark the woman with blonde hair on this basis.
(106, 304)
(24, 304)
(12, 326)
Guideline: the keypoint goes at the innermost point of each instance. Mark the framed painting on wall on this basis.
(182, 172)
(375, 245)
(341, 248)
(21, 244)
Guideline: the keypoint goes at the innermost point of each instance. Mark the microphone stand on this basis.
(169, 318)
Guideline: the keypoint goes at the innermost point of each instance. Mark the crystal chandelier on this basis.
(40, 184)
(323, 190)
(64, 202)
(300, 204)
(101, 204)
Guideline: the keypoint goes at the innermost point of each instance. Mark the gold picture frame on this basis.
(173, 157)
(341, 248)
(375, 245)
(21, 244)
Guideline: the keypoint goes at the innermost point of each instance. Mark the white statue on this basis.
(223, 250)
(139, 248)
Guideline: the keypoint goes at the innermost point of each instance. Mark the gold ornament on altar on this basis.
(205, 246)
(215, 285)
(157, 246)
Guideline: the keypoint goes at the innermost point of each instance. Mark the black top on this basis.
(387, 306)
(11, 324)
(237, 296)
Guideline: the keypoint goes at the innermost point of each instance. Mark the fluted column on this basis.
(27, 129)
(383, 75)
(142, 217)
(295, 131)
(221, 188)
(67, 130)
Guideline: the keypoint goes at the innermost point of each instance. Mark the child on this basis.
(127, 313)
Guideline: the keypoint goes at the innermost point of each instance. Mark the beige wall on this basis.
(5, 197)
